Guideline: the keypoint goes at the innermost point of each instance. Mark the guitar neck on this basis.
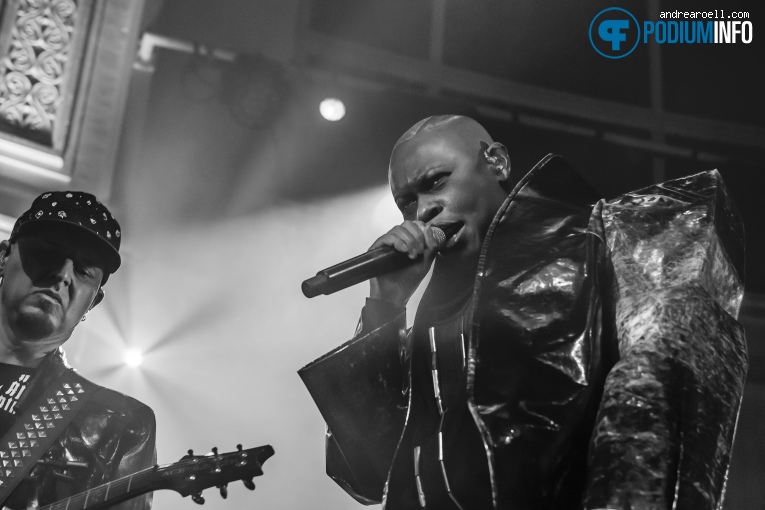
(189, 476)
(108, 494)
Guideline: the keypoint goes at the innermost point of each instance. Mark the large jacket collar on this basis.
(535, 347)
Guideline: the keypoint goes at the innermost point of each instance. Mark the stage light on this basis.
(332, 109)
(133, 357)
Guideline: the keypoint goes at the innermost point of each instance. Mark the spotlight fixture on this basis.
(332, 109)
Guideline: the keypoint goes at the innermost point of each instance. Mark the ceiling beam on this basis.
(515, 94)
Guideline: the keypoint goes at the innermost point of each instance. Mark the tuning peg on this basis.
(198, 498)
(223, 490)
(249, 484)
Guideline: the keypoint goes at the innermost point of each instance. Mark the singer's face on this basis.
(440, 177)
(50, 279)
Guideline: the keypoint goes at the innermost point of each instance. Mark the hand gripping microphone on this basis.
(379, 261)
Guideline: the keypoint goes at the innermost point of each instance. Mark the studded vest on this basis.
(112, 436)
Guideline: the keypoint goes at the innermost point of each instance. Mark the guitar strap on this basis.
(35, 430)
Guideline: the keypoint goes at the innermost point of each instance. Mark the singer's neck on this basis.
(451, 278)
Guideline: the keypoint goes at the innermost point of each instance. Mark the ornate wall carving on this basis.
(42, 45)
(65, 68)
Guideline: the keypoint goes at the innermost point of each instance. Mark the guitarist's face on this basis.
(51, 278)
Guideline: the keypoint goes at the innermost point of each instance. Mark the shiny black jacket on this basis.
(114, 434)
(605, 365)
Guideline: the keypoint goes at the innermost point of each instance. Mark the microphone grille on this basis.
(439, 235)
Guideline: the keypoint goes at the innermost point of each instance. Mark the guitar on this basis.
(190, 475)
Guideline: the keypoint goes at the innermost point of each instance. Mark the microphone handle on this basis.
(373, 263)
(352, 271)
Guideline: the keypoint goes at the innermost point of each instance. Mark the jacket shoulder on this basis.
(682, 231)
(118, 402)
(121, 402)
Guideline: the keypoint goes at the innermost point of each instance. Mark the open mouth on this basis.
(453, 232)
(455, 238)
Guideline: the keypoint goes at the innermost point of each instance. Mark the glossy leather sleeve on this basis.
(666, 423)
(132, 449)
(360, 389)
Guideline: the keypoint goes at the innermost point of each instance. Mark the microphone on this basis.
(379, 261)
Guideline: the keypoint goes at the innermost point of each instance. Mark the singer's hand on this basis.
(413, 238)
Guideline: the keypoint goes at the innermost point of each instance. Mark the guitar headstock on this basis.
(195, 473)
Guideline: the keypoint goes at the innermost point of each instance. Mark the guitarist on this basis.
(52, 270)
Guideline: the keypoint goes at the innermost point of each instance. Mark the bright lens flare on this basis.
(133, 357)
(332, 109)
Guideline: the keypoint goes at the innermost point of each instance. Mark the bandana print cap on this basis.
(78, 209)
